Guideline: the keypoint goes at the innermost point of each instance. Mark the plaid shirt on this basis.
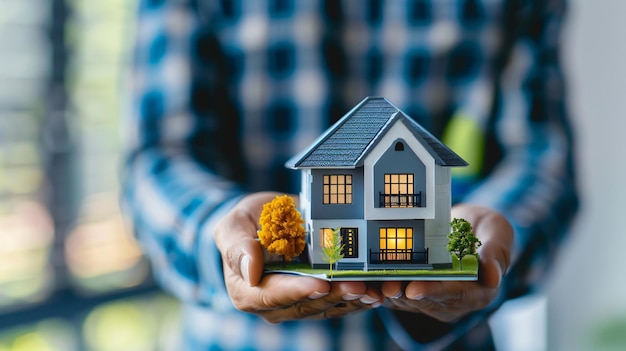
(225, 91)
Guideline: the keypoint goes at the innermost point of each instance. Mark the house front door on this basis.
(350, 241)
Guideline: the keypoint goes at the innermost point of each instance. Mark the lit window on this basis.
(326, 237)
(399, 191)
(337, 189)
(396, 244)
(349, 240)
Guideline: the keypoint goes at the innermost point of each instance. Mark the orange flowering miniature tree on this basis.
(281, 231)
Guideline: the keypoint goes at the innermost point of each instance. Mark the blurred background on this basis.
(71, 275)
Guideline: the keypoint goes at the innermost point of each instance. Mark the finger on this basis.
(235, 238)
(490, 273)
(373, 297)
(448, 300)
(344, 298)
(241, 253)
(276, 291)
(392, 289)
(494, 254)
(451, 293)
(418, 290)
(312, 310)
(496, 235)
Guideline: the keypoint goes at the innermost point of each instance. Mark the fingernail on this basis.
(397, 295)
(418, 297)
(368, 300)
(350, 296)
(376, 304)
(244, 267)
(499, 273)
(316, 295)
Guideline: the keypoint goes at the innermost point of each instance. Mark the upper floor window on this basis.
(400, 191)
(337, 189)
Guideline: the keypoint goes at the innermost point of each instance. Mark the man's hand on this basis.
(278, 297)
(448, 301)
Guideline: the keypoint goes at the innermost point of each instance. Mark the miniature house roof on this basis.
(347, 142)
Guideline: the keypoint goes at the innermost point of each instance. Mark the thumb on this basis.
(496, 235)
(245, 259)
(235, 237)
(490, 273)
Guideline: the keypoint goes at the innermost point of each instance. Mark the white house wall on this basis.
(437, 229)
(305, 194)
(398, 131)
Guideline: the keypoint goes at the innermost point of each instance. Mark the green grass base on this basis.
(469, 272)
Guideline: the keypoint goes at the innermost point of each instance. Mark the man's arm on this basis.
(534, 185)
(181, 181)
(171, 187)
(531, 186)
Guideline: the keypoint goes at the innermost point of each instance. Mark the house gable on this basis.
(386, 144)
(399, 177)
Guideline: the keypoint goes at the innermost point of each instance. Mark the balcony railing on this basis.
(400, 200)
(398, 256)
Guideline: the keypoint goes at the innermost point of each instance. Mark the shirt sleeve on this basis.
(174, 187)
(528, 156)
(533, 183)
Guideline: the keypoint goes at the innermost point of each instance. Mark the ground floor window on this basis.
(396, 244)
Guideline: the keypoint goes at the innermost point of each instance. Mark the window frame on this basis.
(337, 189)
(395, 254)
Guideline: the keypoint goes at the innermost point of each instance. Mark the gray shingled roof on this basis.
(346, 143)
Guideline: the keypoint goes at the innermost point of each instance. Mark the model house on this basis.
(385, 181)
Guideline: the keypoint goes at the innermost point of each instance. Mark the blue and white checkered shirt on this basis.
(226, 91)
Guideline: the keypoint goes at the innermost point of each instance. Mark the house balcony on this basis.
(399, 200)
(398, 256)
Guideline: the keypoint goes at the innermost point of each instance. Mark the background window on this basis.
(70, 271)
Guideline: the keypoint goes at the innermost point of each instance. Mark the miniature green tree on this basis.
(281, 231)
(332, 249)
(462, 241)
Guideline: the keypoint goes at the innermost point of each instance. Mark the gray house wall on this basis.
(336, 211)
(405, 161)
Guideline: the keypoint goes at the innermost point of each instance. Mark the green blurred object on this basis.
(47, 335)
(609, 334)
(134, 324)
(148, 322)
(463, 136)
